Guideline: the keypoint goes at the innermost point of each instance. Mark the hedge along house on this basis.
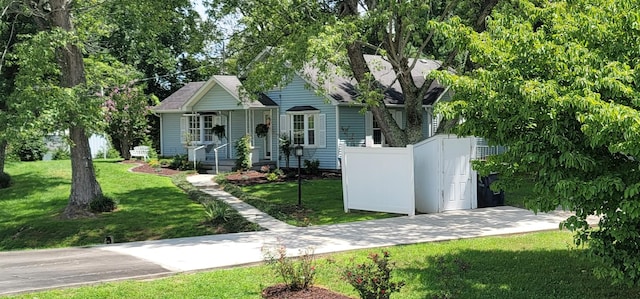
(203, 116)
(319, 121)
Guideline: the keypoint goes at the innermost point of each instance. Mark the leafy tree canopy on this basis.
(558, 83)
(337, 33)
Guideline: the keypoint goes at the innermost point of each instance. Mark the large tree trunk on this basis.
(84, 186)
(124, 148)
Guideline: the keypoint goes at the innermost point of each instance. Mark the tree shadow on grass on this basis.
(512, 274)
(27, 184)
(143, 214)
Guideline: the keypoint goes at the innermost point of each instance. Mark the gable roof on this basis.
(342, 89)
(177, 99)
(191, 93)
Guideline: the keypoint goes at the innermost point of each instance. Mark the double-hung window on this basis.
(304, 127)
(374, 135)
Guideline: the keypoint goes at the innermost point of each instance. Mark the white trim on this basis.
(161, 138)
(303, 112)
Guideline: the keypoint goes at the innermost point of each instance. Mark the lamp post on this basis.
(299, 152)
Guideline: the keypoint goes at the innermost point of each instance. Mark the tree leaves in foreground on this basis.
(559, 85)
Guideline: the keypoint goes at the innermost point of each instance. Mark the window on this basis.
(305, 128)
(194, 129)
(374, 135)
(199, 129)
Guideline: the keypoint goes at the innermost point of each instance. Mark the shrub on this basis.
(217, 211)
(243, 153)
(297, 274)
(30, 148)
(5, 180)
(61, 153)
(312, 166)
(272, 176)
(372, 279)
(112, 153)
(180, 162)
(102, 204)
(154, 163)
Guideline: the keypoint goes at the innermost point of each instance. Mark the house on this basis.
(204, 116)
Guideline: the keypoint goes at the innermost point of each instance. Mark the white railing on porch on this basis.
(484, 151)
(195, 159)
(215, 151)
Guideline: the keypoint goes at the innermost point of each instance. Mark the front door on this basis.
(457, 178)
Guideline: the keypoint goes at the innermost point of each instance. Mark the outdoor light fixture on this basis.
(299, 152)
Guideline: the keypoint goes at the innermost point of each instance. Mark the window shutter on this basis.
(285, 123)
(184, 126)
(321, 131)
(368, 129)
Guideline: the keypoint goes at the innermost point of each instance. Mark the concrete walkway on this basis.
(41, 269)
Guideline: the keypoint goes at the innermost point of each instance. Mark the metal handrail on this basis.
(194, 154)
(215, 151)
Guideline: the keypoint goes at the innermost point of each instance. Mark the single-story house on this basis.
(214, 114)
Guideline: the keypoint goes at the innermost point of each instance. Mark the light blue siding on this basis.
(217, 99)
(238, 129)
(352, 129)
(171, 139)
(296, 94)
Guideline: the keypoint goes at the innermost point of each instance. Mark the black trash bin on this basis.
(486, 196)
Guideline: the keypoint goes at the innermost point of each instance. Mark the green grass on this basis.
(537, 265)
(321, 200)
(30, 208)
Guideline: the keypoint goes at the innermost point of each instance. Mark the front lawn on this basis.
(537, 265)
(150, 207)
(321, 202)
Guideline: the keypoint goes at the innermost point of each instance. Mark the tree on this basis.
(559, 84)
(84, 185)
(339, 32)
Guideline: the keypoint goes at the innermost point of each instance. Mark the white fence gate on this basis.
(432, 176)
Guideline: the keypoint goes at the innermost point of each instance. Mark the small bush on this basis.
(61, 153)
(297, 274)
(243, 153)
(312, 166)
(5, 180)
(30, 148)
(217, 211)
(154, 163)
(181, 162)
(272, 177)
(103, 204)
(111, 153)
(372, 279)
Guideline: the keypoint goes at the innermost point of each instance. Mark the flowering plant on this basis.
(372, 279)
(297, 274)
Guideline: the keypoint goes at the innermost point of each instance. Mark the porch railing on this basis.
(484, 151)
(195, 150)
(215, 151)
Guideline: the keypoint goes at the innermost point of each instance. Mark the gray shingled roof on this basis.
(343, 89)
(181, 96)
(232, 84)
(340, 88)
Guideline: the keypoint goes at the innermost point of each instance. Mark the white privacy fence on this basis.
(432, 176)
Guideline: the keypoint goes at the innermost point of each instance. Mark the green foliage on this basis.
(217, 211)
(61, 153)
(112, 153)
(29, 148)
(272, 177)
(312, 166)
(562, 94)
(285, 146)
(5, 180)
(298, 274)
(372, 279)
(181, 162)
(243, 153)
(103, 204)
(262, 130)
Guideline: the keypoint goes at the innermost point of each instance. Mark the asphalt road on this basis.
(25, 271)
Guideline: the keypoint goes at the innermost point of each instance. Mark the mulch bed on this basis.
(280, 291)
(253, 177)
(145, 168)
